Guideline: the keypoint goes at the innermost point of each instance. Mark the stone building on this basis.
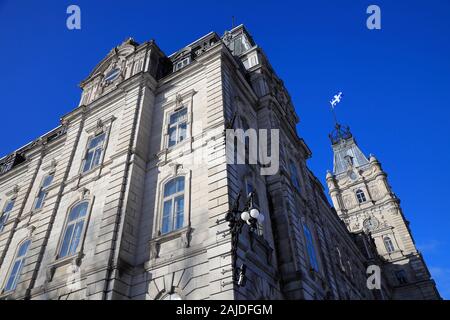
(364, 200)
(127, 199)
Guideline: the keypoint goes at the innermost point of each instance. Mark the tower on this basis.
(364, 200)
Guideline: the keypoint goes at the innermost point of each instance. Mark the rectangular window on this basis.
(94, 152)
(310, 249)
(167, 214)
(5, 213)
(173, 205)
(46, 182)
(73, 230)
(294, 175)
(181, 64)
(177, 127)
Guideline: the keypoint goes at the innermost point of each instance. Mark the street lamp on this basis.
(250, 215)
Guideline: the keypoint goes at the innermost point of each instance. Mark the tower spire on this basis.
(340, 132)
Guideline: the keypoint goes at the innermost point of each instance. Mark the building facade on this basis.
(128, 198)
(364, 200)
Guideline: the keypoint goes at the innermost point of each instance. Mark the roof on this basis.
(347, 153)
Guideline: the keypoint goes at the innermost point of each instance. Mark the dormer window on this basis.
(349, 160)
(181, 64)
(112, 75)
(240, 44)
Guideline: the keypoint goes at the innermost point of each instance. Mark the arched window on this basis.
(360, 196)
(173, 205)
(388, 244)
(74, 228)
(310, 248)
(401, 277)
(172, 296)
(17, 266)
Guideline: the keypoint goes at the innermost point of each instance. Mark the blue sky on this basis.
(396, 80)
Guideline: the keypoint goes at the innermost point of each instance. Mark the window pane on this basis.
(9, 206)
(96, 141)
(78, 211)
(82, 207)
(23, 249)
(294, 175)
(167, 212)
(182, 114)
(178, 116)
(88, 161)
(173, 118)
(389, 245)
(170, 188)
(310, 249)
(76, 237)
(172, 136)
(179, 212)
(74, 213)
(40, 200)
(180, 184)
(3, 219)
(12, 280)
(182, 132)
(66, 241)
(97, 157)
(47, 181)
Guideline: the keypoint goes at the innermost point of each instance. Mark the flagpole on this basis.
(334, 116)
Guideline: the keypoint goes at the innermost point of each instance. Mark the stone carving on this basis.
(348, 201)
(154, 249)
(185, 237)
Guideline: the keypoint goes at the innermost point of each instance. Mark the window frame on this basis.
(4, 216)
(295, 182)
(80, 246)
(177, 126)
(313, 259)
(360, 196)
(172, 198)
(87, 150)
(182, 62)
(18, 273)
(389, 244)
(43, 189)
(176, 102)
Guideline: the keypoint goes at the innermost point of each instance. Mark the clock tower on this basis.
(364, 200)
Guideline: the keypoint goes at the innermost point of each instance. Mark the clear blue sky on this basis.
(396, 81)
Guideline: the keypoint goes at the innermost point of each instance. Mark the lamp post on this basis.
(250, 215)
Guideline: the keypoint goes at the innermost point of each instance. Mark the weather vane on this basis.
(333, 102)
